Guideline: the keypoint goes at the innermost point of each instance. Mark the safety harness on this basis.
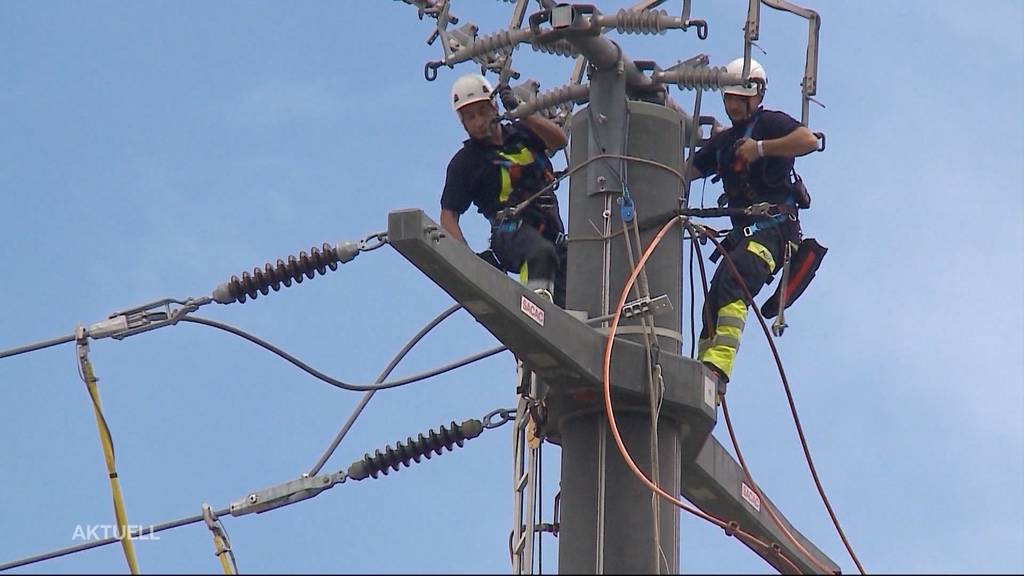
(522, 174)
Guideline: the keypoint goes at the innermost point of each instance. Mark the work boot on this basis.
(721, 380)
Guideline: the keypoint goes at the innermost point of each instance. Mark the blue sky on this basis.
(154, 149)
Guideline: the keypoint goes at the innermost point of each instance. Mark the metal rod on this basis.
(37, 346)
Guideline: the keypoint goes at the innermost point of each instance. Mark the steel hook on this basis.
(430, 70)
(702, 28)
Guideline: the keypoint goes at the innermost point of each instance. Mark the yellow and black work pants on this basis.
(725, 310)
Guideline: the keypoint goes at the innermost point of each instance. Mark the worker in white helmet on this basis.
(499, 166)
(754, 160)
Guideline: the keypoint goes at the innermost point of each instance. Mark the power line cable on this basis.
(134, 534)
(332, 381)
(384, 374)
(37, 346)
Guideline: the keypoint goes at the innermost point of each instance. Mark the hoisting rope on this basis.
(89, 377)
(221, 542)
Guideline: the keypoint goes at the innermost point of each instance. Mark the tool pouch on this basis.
(803, 266)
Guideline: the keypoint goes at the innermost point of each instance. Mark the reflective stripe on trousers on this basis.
(721, 349)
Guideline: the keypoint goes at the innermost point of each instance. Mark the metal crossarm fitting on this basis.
(287, 493)
(550, 341)
(647, 305)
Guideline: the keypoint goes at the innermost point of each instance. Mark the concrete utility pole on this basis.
(608, 523)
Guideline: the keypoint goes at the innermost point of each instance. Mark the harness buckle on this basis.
(763, 209)
(508, 224)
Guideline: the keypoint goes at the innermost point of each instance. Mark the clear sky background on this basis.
(152, 149)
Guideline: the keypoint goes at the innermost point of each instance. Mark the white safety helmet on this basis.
(468, 89)
(756, 72)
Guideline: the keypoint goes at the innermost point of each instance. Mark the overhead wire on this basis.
(333, 381)
(133, 534)
(383, 375)
(37, 346)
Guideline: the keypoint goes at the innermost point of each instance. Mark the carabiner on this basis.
(373, 241)
(504, 414)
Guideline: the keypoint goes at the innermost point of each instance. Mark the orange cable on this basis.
(789, 397)
(729, 527)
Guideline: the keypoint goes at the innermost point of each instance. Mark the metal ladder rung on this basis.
(521, 543)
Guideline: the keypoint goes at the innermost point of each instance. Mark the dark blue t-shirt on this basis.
(474, 178)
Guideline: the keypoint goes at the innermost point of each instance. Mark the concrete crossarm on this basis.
(554, 344)
(714, 483)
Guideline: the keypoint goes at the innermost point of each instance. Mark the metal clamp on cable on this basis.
(151, 316)
(287, 493)
(221, 543)
(647, 305)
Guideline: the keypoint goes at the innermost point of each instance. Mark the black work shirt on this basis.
(768, 177)
(473, 177)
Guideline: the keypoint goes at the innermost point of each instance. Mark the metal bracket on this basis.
(565, 20)
(287, 493)
(647, 305)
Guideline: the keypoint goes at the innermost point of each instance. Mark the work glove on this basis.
(508, 98)
(490, 257)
